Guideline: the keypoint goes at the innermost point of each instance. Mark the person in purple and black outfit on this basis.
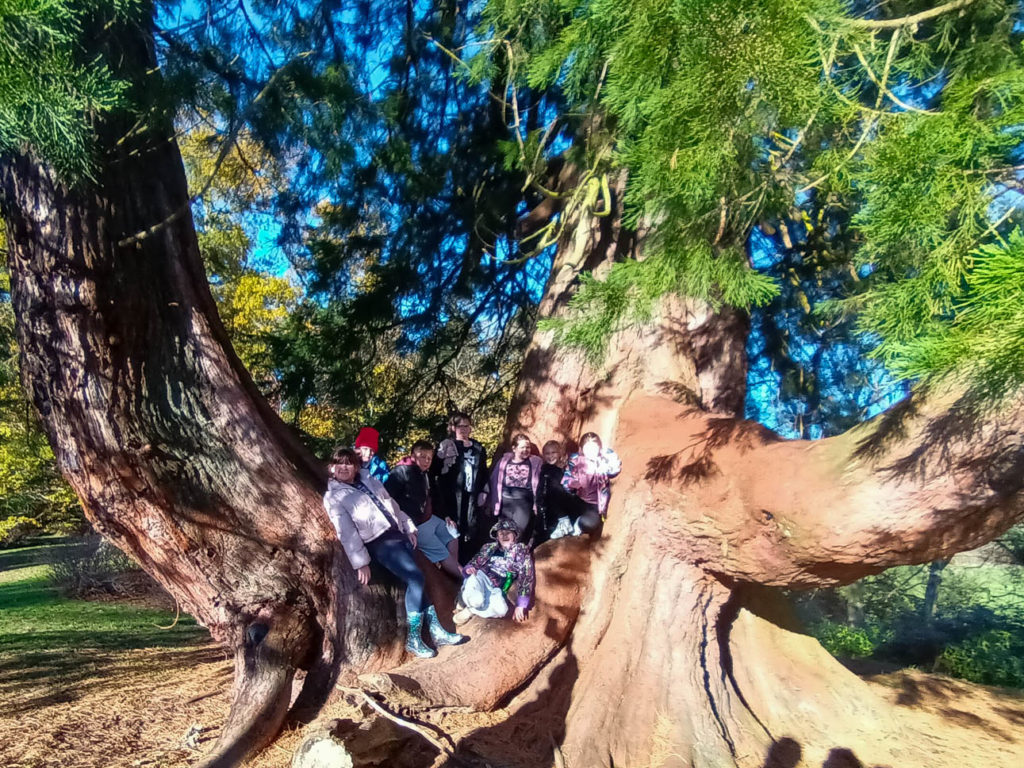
(514, 486)
(553, 501)
(492, 573)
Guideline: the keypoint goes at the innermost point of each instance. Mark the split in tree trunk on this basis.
(155, 423)
(683, 653)
(676, 653)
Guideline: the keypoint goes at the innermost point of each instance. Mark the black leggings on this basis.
(588, 517)
(519, 509)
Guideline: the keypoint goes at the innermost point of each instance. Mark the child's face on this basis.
(506, 539)
(365, 453)
(463, 429)
(521, 450)
(423, 458)
(591, 449)
(552, 454)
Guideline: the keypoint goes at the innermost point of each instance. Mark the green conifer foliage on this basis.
(899, 120)
(50, 87)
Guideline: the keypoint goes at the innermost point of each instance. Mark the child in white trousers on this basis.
(490, 575)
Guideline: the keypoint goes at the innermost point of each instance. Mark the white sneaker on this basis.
(576, 530)
(562, 528)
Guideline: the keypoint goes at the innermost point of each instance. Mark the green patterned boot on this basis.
(414, 643)
(439, 634)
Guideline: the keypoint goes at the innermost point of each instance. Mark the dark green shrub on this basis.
(976, 630)
(1013, 542)
(95, 567)
(995, 657)
(845, 642)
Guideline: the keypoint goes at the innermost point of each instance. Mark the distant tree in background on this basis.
(233, 183)
(418, 299)
(869, 165)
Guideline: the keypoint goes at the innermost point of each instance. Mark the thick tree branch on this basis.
(933, 477)
(563, 176)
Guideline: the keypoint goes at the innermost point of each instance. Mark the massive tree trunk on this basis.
(681, 652)
(155, 423)
(684, 652)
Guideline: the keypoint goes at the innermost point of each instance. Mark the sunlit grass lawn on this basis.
(34, 617)
(50, 644)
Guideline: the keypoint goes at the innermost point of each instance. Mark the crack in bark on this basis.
(723, 629)
(704, 641)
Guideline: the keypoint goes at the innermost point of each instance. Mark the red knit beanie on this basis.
(369, 438)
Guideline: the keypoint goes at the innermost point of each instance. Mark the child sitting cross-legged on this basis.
(491, 574)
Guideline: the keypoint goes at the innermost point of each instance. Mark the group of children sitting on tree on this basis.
(479, 526)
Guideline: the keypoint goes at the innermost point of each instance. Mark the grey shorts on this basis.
(432, 539)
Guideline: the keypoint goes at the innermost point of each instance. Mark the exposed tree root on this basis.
(262, 690)
(446, 746)
(501, 656)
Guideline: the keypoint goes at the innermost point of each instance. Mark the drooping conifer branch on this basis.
(907, 21)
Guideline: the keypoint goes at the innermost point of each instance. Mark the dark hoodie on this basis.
(553, 501)
(413, 489)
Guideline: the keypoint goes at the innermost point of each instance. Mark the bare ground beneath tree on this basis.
(160, 707)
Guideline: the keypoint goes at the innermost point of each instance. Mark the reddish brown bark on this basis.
(154, 424)
(676, 657)
(818, 513)
(678, 624)
(471, 675)
(682, 657)
(682, 654)
(153, 420)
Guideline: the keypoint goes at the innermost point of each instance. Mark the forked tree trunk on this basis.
(682, 658)
(157, 426)
(683, 651)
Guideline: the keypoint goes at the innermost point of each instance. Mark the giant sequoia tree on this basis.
(688, 125)
(723, 117)
(154, 421)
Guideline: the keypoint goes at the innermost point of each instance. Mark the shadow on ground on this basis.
(57, 650)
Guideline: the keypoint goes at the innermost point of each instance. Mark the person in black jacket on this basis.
(553, 501)
(415, 489)
(461, 468)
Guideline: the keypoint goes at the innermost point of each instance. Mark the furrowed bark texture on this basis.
(161, 436)
(684, 652)
(679, 653)
(155, 423)
(156, 427)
